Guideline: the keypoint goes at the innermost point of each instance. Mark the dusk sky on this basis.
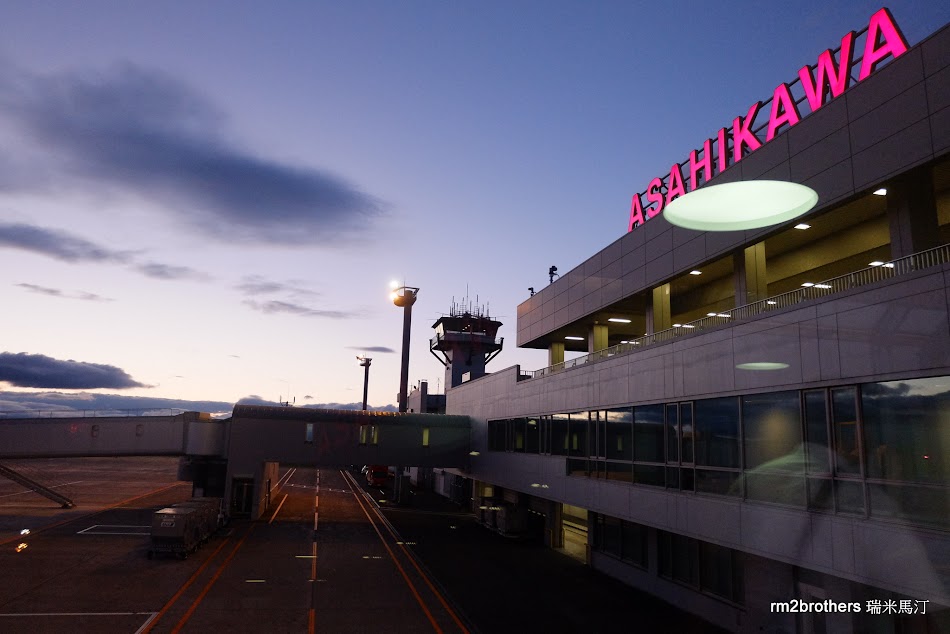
(207, 201)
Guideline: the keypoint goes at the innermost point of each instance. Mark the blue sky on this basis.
(208, 200)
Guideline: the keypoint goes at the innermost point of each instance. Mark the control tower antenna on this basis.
(467, 340)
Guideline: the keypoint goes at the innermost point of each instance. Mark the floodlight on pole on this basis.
(404, 297)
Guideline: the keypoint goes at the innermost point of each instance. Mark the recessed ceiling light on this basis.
(822, 285)
(710, 314)
(688, 326)
(762, 365)
(808, 284)
(695, 272)
(889, 265)
(574, 338)
(802, 226)
(771, 303)
(619, 320)
(677, 325)
(875, 263)
(740, 205)
(723, 315)
(880, 192)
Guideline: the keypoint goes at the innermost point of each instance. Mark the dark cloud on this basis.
(169, 272)
(278, 307)
(64, 403)
(57, 244)
(140, 131)
(37, 370)
(371, 348)
(257, 285)
(55, 292)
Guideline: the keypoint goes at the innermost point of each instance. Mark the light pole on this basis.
(364, 362)
(404, 297)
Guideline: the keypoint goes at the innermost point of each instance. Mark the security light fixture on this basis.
(740, 205)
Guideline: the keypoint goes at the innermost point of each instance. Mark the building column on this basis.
(658, 311)
(596, 338)
(556, 353)
(912, 213)
(751, 282)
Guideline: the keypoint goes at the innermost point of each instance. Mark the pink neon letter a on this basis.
(881, 27)
(815, 87)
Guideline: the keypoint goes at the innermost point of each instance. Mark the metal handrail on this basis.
(887, 270)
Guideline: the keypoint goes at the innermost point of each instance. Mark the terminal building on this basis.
(757, 418)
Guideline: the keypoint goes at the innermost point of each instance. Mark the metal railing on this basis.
(91, 413)
(883, 271)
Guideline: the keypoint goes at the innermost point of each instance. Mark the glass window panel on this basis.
(633, 543)
(612, 536)
(820, 497)
(716, 424)
(844, 411)
(578, 441)
(544, 424)
(850, 496)
(686, 431)
(620, 471)
(816, 432)
(648, 433)
(620, 433)
(721, 482)
(577, 466)
(772, 432)
(531, 436)
(929, 506)
(687, 479)
(560, 434)
(672, 433)
(664, 548)
(778, 488)
(685, 552)
(717, 570)
(649, 474)
(673, 477)
(598, 438)
(907, 430)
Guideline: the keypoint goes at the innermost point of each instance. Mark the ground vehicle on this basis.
(376, 475)
(182, 528)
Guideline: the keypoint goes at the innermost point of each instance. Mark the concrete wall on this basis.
(894, 120)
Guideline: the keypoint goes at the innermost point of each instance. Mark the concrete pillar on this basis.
(556, 353)
(596, 338)
(658, 312)
(912, 213)
(751, 282)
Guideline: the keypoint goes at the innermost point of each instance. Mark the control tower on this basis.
(466, 339)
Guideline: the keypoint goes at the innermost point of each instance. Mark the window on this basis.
(578, 430)
(648, 433)
(425, 436)
(716, 425)
(774, 456)
(532, 436)
(816, 432)
(560, 434)
(308, 434)
(845, 413)
(619, 431)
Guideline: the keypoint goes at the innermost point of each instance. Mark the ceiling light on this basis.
(619, 320)
(688, 326)
(889, 265)
(880, 192)
(574, 338)
(677, 325)
(771, 303)
(875, 263)
(802, 226)
(723, 315)
(762, 365)
(808, 284)
(694, 272)
(710, 314)
(740, 205)
(822, 285)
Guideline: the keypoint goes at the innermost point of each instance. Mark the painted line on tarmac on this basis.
(10, 495)
(149, 625)
(392, 555)
(76, 613)
(207, 588)
(286, 495)
(94, 513)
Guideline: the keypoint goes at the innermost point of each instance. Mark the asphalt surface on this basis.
(329, 556)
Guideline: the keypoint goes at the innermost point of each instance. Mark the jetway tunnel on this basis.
(219, 456)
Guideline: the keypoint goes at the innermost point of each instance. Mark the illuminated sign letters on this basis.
(816, 85)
